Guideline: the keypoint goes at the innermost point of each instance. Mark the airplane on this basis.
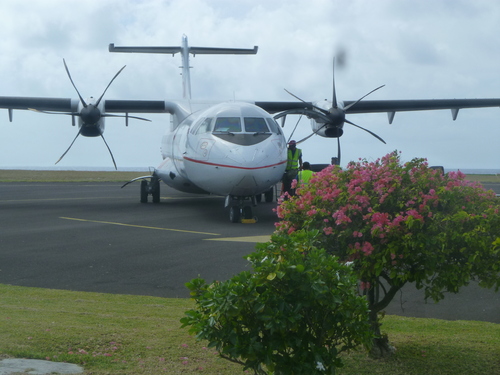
(235, 149)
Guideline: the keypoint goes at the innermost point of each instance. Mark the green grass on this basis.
(67, 176)
(484, 177)
(8, 175)
(121, 334)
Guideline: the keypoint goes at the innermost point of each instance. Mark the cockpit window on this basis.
(228, 124)
(255, 125)
(273, 125)
(205, 126)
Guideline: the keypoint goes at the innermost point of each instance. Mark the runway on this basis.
(97, 237)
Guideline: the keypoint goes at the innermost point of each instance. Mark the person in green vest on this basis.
(305, 174)
(294, 164)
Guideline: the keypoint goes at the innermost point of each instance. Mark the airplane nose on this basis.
(238, 171)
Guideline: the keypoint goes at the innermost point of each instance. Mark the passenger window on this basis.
(273, 125)
(255, 125)
(228, 124)
(205, 126)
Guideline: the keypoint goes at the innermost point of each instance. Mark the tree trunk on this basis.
(381, 348)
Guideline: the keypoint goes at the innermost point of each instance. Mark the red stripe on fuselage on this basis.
(233, 166)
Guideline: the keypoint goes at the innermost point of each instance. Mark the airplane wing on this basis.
(389, 106)
(393, 106)
(370, 106)
(41, 104)
(70, 106)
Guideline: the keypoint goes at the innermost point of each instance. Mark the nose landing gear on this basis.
(239, 209)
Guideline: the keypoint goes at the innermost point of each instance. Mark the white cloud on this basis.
(419, 49)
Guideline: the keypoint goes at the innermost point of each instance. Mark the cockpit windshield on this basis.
(228, 124)
(255, 125)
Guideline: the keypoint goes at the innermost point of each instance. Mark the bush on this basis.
(293, 315)
(401, 223)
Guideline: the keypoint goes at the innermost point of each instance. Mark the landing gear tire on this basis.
(155, 191)
(234, 214)
(269, 195)
(144, 191)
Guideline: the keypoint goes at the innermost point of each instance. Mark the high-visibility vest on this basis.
(293, 159)
(304, 176)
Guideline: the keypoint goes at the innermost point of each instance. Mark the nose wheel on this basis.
(235, 214)
(239, 211)
(243, 214)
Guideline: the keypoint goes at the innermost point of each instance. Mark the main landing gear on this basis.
(150, 187)
(240, 209)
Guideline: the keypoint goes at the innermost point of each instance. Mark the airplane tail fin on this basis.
(185, 50)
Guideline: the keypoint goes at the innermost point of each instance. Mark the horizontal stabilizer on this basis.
(172, 50)
(192, 50)
(185, 50)
(223, 51)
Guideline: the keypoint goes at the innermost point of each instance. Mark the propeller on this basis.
(90, 116)
(333, 118)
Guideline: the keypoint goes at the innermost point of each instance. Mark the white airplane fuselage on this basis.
(230, 149)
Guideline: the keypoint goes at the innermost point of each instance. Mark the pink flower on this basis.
(367, 248)
(328, 230)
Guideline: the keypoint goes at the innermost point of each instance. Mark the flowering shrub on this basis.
(401, 223)
(293, 314)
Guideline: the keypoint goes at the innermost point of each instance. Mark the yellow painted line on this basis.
(138, 226)
(253, 239)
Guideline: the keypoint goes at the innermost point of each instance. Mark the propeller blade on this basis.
(338, 150)
(306, 138)
(303, 101)
(334, 95)
(357, 101)
(106, 143)
(65, 152)
(137, 118)
(310, 135)
(366, 130)
(295, 96)
(71, 79)
(291, 135)
(109, 84)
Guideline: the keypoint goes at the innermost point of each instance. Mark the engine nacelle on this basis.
(334, 132)
(91, 120)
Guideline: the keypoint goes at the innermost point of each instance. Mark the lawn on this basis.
(7, 175)
(123, 334)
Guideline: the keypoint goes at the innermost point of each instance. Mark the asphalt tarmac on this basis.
(97, 237)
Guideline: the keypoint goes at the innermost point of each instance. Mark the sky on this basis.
(427, 49)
